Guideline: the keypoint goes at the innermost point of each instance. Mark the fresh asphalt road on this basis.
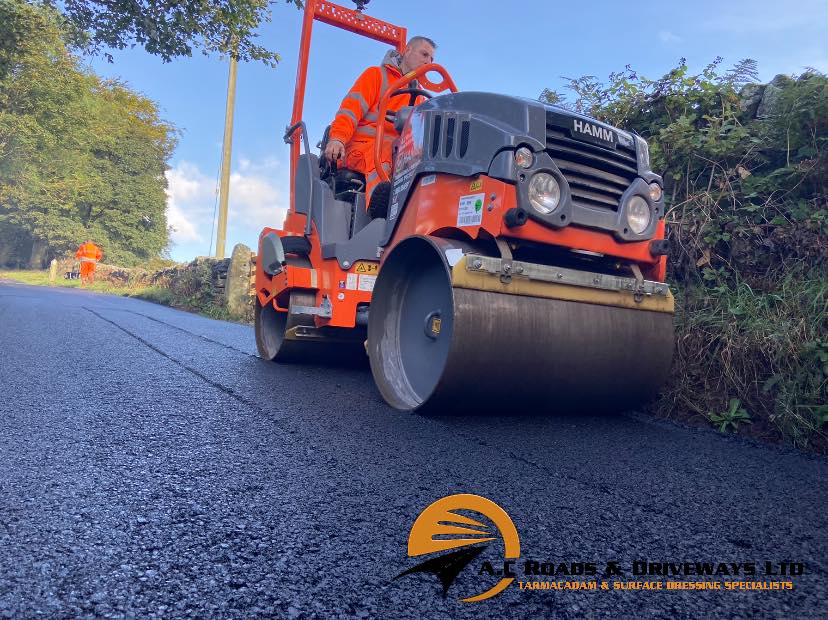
(152, 465)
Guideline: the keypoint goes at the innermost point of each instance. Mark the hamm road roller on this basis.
(513, 256)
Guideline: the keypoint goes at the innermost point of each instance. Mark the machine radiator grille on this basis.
(454, 141)
(597, 176)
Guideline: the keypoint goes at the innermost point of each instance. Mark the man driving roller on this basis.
(351, 138)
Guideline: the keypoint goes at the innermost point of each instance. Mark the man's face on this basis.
(417, 55)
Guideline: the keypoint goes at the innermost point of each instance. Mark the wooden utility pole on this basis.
(224, 187)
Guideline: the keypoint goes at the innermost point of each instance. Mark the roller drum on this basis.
(438, 347)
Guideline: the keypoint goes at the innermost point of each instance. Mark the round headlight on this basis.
(544, 193)
(524, 157)
(638, 214)
(655, 191)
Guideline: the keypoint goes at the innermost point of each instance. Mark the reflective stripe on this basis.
(373, 176)
(371, 118)
(360, 99)
(366, 130)
(349, 114)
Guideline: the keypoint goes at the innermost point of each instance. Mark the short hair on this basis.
(419, 39)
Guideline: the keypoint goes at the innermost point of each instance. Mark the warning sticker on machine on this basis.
(366, 267)
(352, 282)
(366, 283)
(470, 210)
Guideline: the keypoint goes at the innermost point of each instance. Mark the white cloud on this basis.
(667, 36)
(190, 199)
(258, 197)
(183, 230)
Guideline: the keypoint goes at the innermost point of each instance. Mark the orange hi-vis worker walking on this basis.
(88, 254)
(353, 130)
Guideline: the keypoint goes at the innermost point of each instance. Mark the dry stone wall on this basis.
(201, 283)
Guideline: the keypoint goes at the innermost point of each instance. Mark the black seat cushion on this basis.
(345, 177)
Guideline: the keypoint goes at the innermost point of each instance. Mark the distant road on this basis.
(151, 464)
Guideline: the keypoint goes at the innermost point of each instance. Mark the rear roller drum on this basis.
(439, 347)
(272, 325)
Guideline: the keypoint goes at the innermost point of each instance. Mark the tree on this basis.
(173, 28)
(79, 157)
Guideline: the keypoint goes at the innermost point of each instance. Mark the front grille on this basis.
(597, 176)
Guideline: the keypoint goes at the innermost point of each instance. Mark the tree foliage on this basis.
(171, 29)
(80, 157)
(746, 176)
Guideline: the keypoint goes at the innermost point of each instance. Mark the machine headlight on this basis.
(655, 191)
(544, 193)
(638, 214)
(524, 157)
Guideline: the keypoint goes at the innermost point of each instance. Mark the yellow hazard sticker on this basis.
(476, 185)
(366, 268)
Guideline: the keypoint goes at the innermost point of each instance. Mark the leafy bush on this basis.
(745, 168)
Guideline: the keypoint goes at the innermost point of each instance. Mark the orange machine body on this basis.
(430, 208)
(428, 213)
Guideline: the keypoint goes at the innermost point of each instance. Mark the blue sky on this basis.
(512, 48)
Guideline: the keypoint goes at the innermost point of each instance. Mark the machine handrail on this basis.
(289, 140)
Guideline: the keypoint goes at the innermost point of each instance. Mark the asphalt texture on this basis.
(152, 466)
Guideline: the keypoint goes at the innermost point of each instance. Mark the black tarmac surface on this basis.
(152, 465)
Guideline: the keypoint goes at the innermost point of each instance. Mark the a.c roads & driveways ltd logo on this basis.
(459, 539)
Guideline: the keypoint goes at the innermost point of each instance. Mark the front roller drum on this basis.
(436, 347)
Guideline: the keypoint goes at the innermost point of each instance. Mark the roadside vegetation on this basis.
(745, 169)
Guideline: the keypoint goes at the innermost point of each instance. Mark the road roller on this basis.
(513, 257)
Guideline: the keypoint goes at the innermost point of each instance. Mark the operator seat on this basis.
(347, 184)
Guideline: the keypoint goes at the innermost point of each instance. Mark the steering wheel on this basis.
(390, 115)
(398, 88)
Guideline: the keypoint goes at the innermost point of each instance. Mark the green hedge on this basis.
(745, 169)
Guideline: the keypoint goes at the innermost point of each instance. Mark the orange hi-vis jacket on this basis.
(89, 252)
(356, 120)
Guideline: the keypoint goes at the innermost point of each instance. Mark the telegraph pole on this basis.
(224, 187)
